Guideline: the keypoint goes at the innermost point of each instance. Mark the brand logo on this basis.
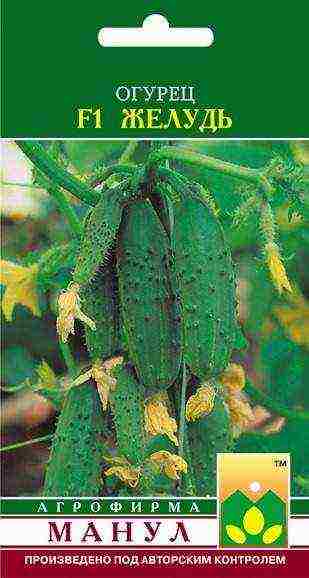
(255, 515)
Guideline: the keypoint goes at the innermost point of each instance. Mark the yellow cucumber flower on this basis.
(126, 474)
(240, 412)
(171, 464)
(123, 470)
(101, 373)
(69, 310)
(158, 420)
(201, 403)
(233, 378)
(20, 288)
(276, 267)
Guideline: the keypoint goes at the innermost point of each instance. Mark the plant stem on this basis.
(67, 209)
(58, 175)
(27, 443)
(17, 184)
(182, 411)
(68, 359)
(259, 396)
(13, 388)
(213, 164)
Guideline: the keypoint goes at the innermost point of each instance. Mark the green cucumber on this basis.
(75, 464)
(99, 298)
(128, 405)
(149, 306)
(207, 437)
(100, 230)
(206, 283)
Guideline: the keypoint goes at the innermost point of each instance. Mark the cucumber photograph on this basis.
(155, 313)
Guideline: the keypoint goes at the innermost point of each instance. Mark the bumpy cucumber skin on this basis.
(150, 311)
(100, 229)
(99, 299)
(75, 465)
(128, 406)
(206, 286)
(207, 437)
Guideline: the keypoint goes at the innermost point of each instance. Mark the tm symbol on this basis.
(280, 463)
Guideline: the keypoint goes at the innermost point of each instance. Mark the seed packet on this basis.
(154, 289)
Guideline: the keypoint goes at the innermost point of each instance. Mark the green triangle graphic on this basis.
(274, 511)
